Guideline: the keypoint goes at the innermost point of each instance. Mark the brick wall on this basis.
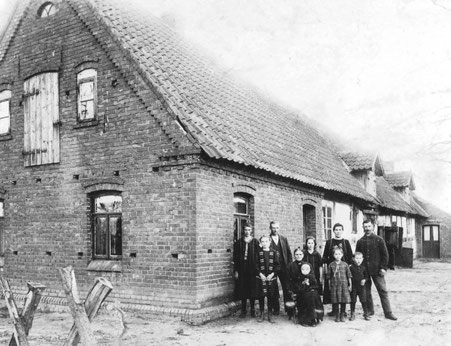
(273, 200)
(47, 209)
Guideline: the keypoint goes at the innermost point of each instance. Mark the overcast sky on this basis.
(377, 72)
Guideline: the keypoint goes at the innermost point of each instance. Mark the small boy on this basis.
(359, 277)
(268, 266)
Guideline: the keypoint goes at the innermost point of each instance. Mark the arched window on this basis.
(5, 112)
(243, 213)
(47, 9)
(87, 95)
(107, 225)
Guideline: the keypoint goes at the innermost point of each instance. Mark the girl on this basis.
(314, 258)
(340, 284)
(267, 267)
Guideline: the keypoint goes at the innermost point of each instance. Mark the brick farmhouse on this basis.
(127, 154)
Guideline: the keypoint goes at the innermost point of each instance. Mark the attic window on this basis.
(46, 10)
(87, 94)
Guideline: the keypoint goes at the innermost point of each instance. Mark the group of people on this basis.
(339, 275)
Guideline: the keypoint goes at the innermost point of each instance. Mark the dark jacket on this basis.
(247, 270)
(375, 254)
(295, 276)
(286, 251)
(328, 254)
(358, 272)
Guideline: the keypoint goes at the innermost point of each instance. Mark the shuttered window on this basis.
(5, 115)
(87, 94)
(41, 120)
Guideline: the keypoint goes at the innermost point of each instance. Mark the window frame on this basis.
(44, 13)
(109, 215)
(81, 80)
(7, 99)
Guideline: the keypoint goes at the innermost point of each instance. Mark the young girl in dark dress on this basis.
(314, 258)
(340, 284)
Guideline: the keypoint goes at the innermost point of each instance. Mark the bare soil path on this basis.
(421, 299)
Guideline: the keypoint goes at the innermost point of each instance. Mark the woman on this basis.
(304, 287)
(328, 258)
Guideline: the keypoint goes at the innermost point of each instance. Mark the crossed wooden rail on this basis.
(83, 313)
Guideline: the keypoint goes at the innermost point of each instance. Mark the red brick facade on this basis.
(177, 208)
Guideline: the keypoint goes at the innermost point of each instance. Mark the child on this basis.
(310, 307)
(314, 258)
(359, 277)
(268, 266)
(340, 283)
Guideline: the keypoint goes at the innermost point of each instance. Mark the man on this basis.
(245, 253)
(375, 255)
(280, 244)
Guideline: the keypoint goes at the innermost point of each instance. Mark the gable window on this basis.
(5, 113)
(41, 120)
(46, 10)
(107, 226)
(87, 95)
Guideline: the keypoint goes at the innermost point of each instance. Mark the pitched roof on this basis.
(400, 179)
(389, 198)
(434, 212)
(362, 162)
(227, 118)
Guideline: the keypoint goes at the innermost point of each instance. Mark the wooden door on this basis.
(41, 119)
(431, 241)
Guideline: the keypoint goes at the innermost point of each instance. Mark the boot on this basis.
(261, 317)
(342, 316)
(337, 316)
(270, 317)
(352, 318)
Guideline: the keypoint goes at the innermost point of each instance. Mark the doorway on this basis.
(431, 241)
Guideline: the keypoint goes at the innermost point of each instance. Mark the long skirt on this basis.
(309, 307)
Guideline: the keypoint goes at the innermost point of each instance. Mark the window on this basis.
(87, 95)
(46, 10)
(2, 215)
(243, 210)
(41, 119)
(107, 226)
(327, 221)
(5, 117)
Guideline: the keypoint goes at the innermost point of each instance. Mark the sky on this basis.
(373, 73)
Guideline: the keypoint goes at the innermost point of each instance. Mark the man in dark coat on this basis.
(375, 256)
(280, 244)
(245, 258)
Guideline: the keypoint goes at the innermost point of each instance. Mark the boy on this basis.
(268, 266)
(359, 277)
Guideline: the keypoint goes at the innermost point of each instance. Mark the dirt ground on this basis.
(420, 297)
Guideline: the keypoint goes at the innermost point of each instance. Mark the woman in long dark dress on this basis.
(304, 287)
(314, 258)
(328, 258)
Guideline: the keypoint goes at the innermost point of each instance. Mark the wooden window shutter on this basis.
(41, 120)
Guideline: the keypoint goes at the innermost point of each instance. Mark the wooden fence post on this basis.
(77, 307)
(30, 305)
(20, 334)
(98, 293)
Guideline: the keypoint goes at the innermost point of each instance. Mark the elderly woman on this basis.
(304, 288)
